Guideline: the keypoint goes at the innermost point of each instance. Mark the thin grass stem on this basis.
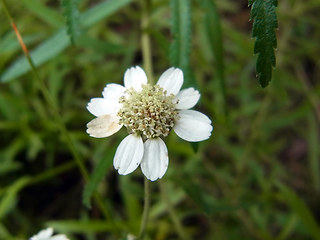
(146, 208)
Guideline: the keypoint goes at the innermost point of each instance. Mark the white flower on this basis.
(46, 234)
(149, 113)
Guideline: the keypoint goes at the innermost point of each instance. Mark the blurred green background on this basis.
(257, 177)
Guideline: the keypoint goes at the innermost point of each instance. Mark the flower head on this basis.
(149, 113)
(46, 234)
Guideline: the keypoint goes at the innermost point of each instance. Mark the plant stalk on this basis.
(147, 65)
(146, 208)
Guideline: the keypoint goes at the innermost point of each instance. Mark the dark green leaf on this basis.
(263, 12)
(72, 15)
(195, 146)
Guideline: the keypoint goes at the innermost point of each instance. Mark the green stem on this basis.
(147, 65)
(5, 7)
(146, 208)
(145, 40)
(45, 92)
(174, 217)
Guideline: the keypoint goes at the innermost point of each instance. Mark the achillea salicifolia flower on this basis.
(149, 113)
(46, 234)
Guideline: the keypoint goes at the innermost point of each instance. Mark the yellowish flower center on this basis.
(149, 113)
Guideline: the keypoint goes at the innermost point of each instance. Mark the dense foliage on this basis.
(257, 177)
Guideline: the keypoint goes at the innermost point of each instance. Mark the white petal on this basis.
(103, 126)
(113, 91)
(171, 80)
(135, 77)
(43, 234)
(193, 126)
(101, 106)
(155, 159)
(128, 155)
(187, 98)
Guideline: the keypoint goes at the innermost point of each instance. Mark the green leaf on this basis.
(301, 209)
(195, 146)
(263, 12)
(60, 41)
(97, 175)
(72, 16)
(181, 45)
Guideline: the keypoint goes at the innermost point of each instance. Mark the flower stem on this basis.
(174, 217)
(147, 65)
(45, 92)
(145, 40)
(146, 208)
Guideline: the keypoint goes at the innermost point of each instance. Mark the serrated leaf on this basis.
(96, 177)
(263, 12)
(60, 40)
(72, 16)
(181, 45)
